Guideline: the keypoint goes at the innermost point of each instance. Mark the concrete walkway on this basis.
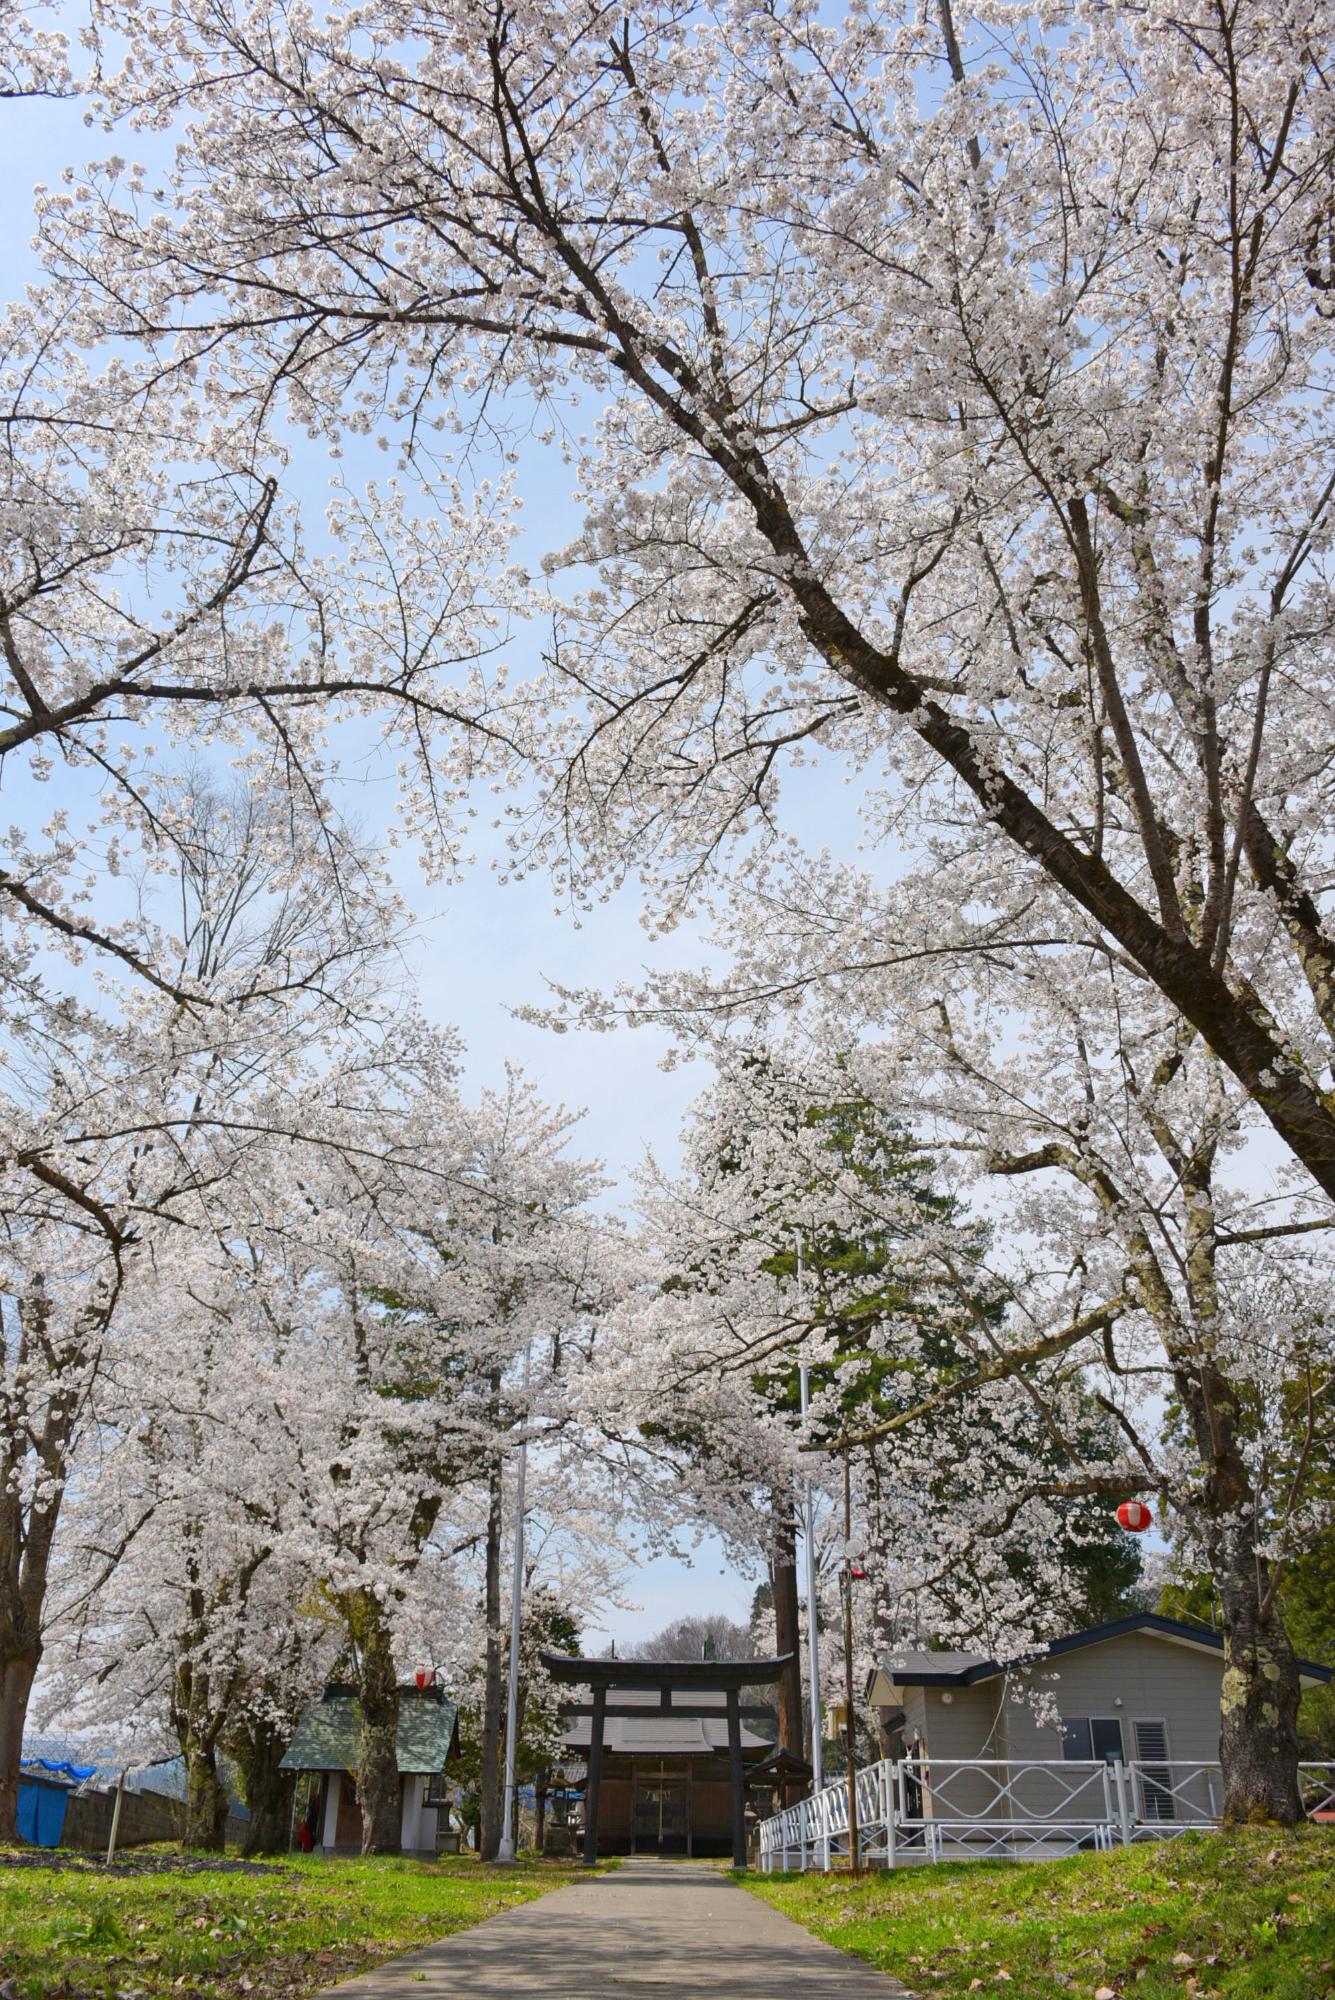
(649, 1927)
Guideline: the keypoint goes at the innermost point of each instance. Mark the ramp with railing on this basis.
(912, 1810)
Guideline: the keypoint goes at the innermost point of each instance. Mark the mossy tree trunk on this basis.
(258, 1748)
(1258, 1707)
(198, 1721)
(205, 1801)
(379, 1790)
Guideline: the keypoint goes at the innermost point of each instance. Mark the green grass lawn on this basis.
(216, 1936)
(1245, 1916)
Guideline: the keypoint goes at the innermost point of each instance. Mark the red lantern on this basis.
(425, 1677)
(1135, 1516)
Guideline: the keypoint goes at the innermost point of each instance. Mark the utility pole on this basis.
(809, 1544)
(506, 1850)
(854, 1848)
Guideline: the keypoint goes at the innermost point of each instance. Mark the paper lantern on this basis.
(425, 1677)
(1135, 1516)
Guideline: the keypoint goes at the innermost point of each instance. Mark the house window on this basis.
(434, 1792)
(1156, 1777)
(1075, 1739)
(1092, 1737)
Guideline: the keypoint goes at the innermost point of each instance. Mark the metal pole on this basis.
(1123, 1778)
(854, 1852)
(506, 1850)
(809, 1543)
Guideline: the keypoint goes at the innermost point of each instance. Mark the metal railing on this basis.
(912, 1809)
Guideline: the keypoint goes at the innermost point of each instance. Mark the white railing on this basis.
(912, 1810)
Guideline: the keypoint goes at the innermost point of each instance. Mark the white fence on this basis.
(912, 1811)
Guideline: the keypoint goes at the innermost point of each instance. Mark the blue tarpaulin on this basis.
(61, 1768)
(42, 1811)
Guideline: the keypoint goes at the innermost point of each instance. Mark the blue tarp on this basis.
(42, 1811)
(62, 1769)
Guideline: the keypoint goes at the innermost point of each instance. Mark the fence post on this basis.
(1122, 1774)
(116, 1819)
(891, 1813)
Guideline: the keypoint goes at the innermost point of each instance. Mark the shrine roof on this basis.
(654, 1731)
(712, 1676)
(328, 1736)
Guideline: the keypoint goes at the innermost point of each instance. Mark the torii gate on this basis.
(671, 1678)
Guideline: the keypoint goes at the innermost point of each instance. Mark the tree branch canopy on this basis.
(1023, 595)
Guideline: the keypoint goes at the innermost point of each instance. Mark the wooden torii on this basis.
(671, 1679)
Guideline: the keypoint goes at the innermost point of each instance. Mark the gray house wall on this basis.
(1136, 1676)
(1133, 1678)
(957, 1725)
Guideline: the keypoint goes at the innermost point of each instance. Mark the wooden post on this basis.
(787, 1632)
(735, 1772)
(595, 1777)
(115, 1819)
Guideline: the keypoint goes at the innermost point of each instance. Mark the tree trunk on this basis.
(787, 1632)
(268, 1790)
(540, 1815)
(28, 1528)
(198, 1727)
(1258, 1701)
(205, 1802)
(17, 1674)
(492, 1689)
(379, 1790)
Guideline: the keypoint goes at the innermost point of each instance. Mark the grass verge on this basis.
(1242, 1916)
(67, 1934)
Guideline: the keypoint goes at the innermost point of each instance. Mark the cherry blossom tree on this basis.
(327, 1426)
(120, 1132)
(807, 1224)
(521, 1269)
(961, 391)
(963, 413)
(160, 606)
(34, 58)
(1134, 1318)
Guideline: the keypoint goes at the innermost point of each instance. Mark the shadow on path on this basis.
(649, 1927)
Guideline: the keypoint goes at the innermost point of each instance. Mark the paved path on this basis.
(649, 1927)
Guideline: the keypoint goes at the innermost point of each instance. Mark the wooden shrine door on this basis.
(660, 1824)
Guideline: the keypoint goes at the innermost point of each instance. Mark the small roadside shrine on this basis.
(667, 1750)
(327, 1742)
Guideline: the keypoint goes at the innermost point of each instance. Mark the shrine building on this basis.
(669, 1755)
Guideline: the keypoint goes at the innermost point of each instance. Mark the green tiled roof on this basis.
(329, 1735)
